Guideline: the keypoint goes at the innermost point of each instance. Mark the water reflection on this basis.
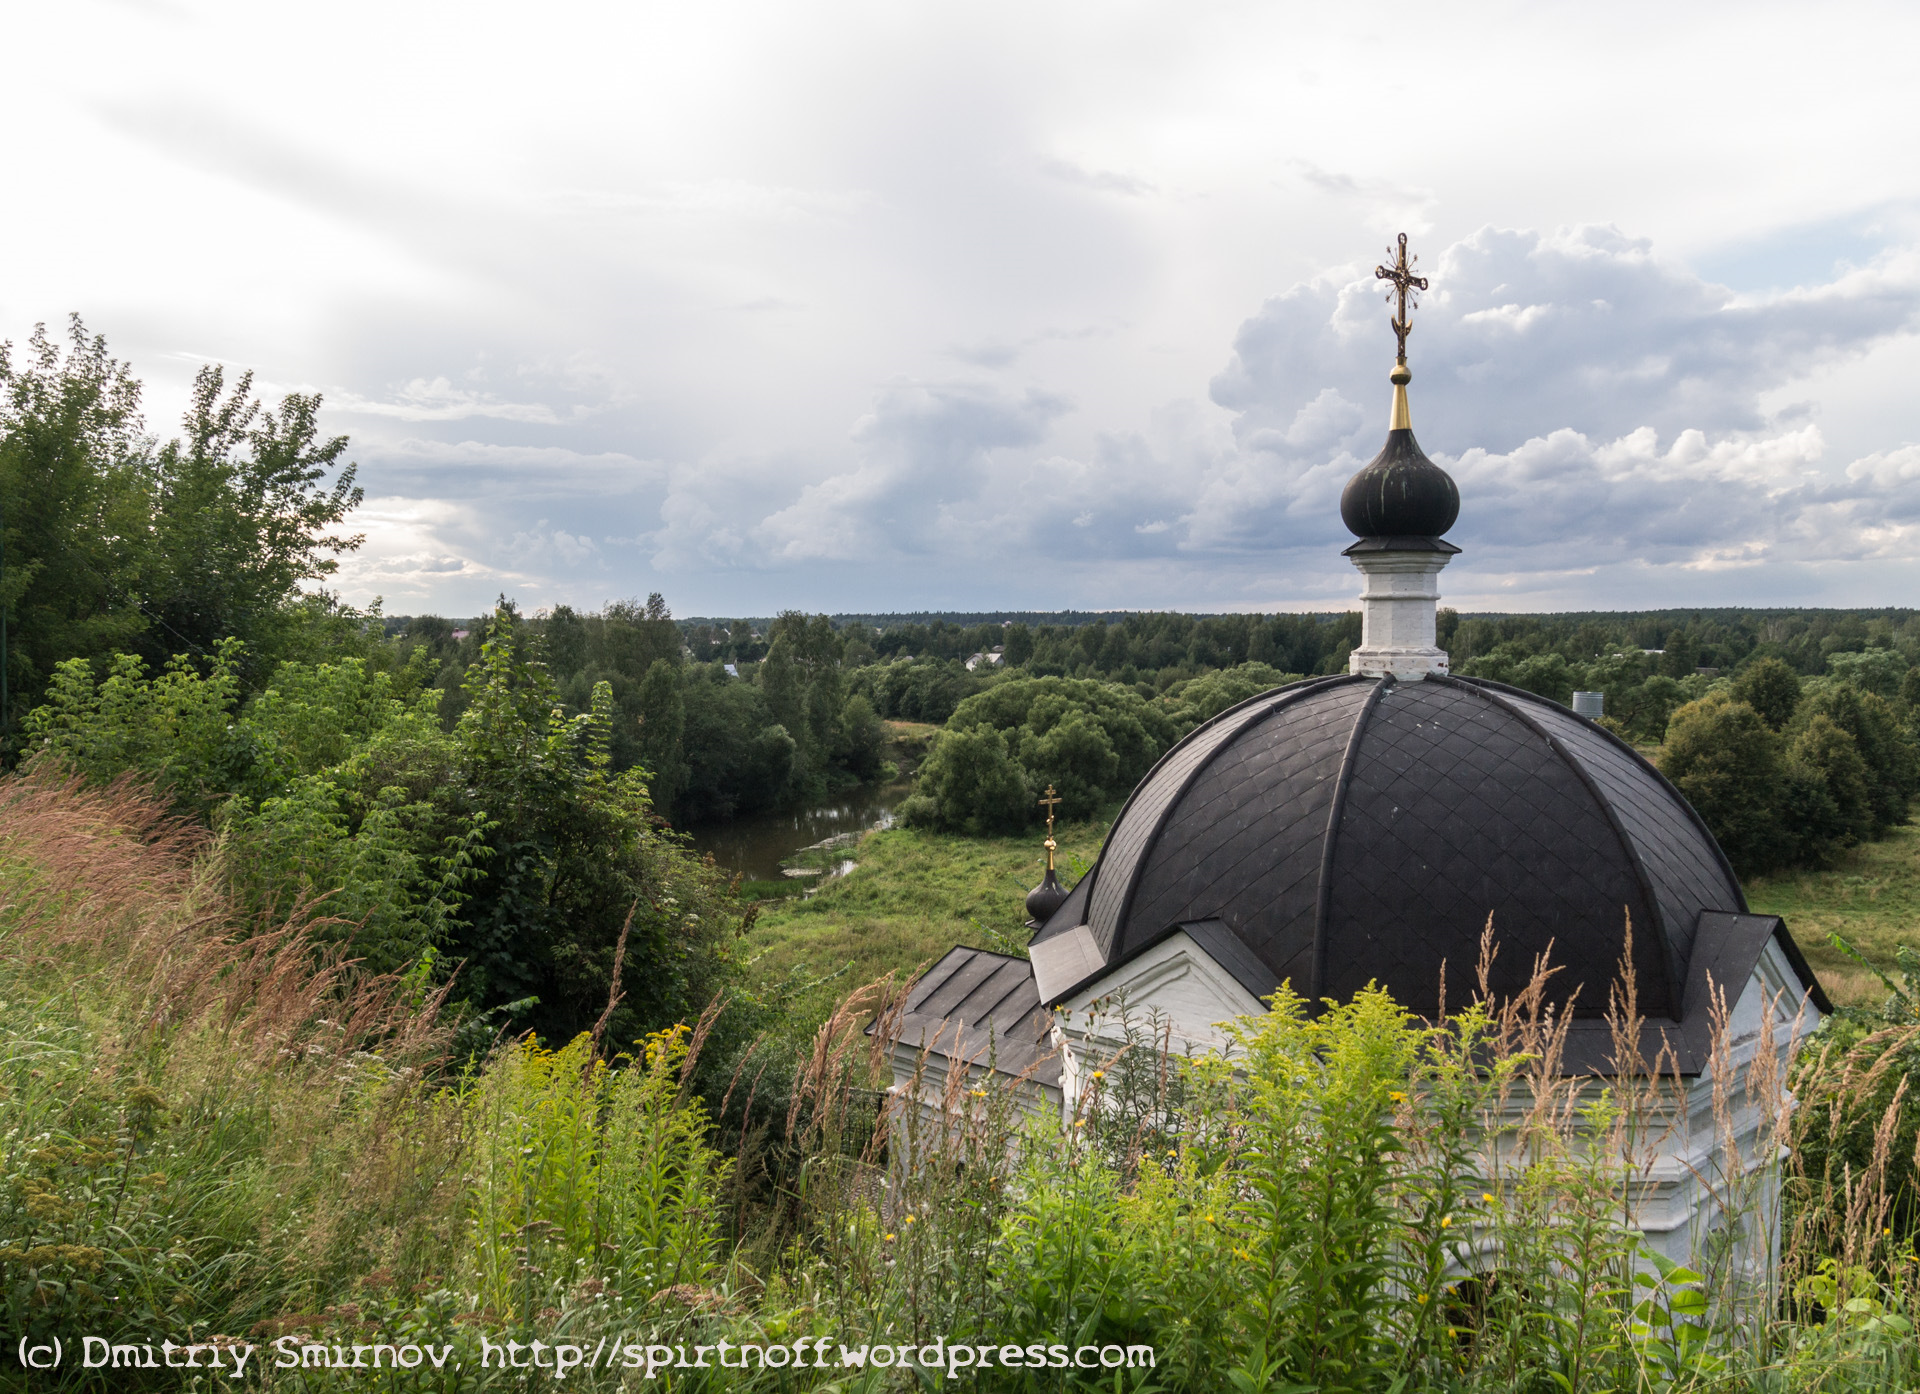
(756, 846)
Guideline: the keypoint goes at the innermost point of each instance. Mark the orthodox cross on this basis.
(1404, 281)
(1048, 803)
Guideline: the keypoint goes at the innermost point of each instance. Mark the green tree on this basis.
(1771, 688)
(1884, 745)
(243, 519)
(75, 514)
(1730, 766)
(970, 783)
(663, 727)
(1829, 753)
(1879, 671)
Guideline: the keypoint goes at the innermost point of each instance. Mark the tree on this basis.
(75, 514)
(243, 519)
(970, 783)
(1729, 764)
(663, 724)
(1771, 688)
(1829, 754)
(1884, 746)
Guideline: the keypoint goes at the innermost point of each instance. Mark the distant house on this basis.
(733, 669)
(458, 635)
(992, 658)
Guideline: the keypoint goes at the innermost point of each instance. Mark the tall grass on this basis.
(213, 1128)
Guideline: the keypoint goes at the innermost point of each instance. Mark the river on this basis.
(756, 846)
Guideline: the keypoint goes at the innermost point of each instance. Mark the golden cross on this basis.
(1404, 281)
(1048, 803)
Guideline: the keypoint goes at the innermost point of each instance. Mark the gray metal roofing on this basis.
(1354, 829)
(982, 1007)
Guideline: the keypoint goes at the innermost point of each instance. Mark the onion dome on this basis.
(1401, 494)
(1357, 829)
(1045, 898)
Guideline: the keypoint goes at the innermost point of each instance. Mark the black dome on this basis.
(1400, 494)
(1356, 829)
(1045, 898)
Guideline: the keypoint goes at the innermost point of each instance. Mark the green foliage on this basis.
(176, 729)
(1093, 741)
(74, 508)
(243, 517)
(571, 855)
(576, 1165)
(971, 782)
(1879, 671)
(1886, 748)
(1842, 770)
(1771, 688)
(1202, 698)
(1547, 674)
(1730, 766)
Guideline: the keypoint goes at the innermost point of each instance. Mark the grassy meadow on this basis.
(911, 897)
(1870, 897)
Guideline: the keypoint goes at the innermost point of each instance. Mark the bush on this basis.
(970, 783)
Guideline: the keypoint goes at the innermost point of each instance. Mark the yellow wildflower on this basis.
(1445, 1220)
(1487, 1196)
(909, 1219)
(890, 1238)
(1398, 1096)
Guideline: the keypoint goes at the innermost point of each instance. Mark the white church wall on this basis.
(1176, 986)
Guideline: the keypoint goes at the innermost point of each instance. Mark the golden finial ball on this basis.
(1400, 376)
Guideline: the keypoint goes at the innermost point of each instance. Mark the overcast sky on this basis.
(957, 306)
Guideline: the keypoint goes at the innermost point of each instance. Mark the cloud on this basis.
(1104, 181)
(1525, 333)
(1599, 407)
(922, 453)
(440, 400)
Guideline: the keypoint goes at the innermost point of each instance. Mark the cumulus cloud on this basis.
(1599, 407)
(922, 454)
(1525, 333)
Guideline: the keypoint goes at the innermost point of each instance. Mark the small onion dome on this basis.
(1401, 493)
(1044, 899)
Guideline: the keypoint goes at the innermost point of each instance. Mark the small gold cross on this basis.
(1048, 803)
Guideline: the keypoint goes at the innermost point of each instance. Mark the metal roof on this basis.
(1354, 829)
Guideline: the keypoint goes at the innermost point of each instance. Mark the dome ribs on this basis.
(1457, 808)
(1688, 870)
(1242, 844)
(1329, 841)
(1660, 930)
(1138, 828)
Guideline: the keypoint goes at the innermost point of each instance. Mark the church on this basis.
(1362, 828)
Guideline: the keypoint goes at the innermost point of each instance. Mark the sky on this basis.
(899, 306)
